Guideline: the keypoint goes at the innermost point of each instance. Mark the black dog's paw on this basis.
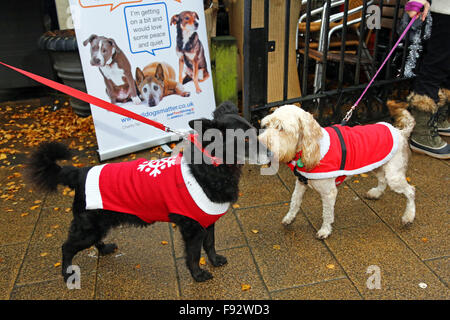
(66, 275)
(202, 275)
(218, 260)
(107, 249)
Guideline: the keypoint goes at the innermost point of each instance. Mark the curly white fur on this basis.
(290, 129)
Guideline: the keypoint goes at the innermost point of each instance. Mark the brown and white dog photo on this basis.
(157, 81)
(114, 67)
(296, 138)
(189, 49)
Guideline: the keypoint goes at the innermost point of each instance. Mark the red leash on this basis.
(113, 108)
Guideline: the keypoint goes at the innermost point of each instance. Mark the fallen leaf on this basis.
(56, 226)
(364, 175)
(255, 231)
(235, 206)
(34, 207)
(356, 181)
(202, 261)
(37, 201)
(330, 266)
(56, 208)
(245, 287)
(424, 239)
(276, 247)
(164, 242)
(138, 266)
(43, 254)
(49, 235)
(57, 264)
(67, 210)
(24, 214)
(408, 179)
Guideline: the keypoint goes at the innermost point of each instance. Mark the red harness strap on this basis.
(110, 107)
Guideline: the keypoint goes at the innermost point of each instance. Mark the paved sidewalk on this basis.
(265, 259)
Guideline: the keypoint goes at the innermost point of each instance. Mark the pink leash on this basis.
(350, 112)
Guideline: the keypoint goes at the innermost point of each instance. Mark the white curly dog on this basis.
(290, 131)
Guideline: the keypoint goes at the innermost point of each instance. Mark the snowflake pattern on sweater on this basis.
(154, 167)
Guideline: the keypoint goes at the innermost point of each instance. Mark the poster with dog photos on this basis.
(150, 57)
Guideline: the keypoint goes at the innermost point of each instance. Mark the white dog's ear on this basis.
(311, 133)
(289, 126)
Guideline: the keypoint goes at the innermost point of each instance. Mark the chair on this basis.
(316, 49)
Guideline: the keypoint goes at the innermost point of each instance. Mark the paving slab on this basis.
(442, 268)
(18, 216)
(339, 289)
(402, 271)
(142, 268)
(228, 279)
(43, 259)
(431, 177)
(286, 256)
(227, 235)
(428, 235)
(10, 261)
(55, 290)
(257, 189)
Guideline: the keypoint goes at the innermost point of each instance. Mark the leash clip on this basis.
(348, 115)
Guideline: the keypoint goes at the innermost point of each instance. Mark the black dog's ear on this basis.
(196, 16)
(226, 107)
(174, 19)
(89, 40)
(201, 125)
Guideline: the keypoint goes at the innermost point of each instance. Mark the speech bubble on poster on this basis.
(148, 27)
(113, 4)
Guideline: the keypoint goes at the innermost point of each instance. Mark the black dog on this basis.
(89, 227)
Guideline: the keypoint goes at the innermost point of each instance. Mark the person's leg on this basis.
(424, 99)
(443, 124)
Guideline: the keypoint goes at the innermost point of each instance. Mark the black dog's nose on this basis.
(196, 24)
(151, 102)
(96, 60)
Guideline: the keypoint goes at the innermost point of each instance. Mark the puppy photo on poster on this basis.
(150, 57)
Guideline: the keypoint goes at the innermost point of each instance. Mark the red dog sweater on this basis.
(151, 189)
(364, 148)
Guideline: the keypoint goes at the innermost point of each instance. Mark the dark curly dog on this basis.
(219, 186)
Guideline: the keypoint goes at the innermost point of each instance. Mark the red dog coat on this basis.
(364, 148)
(151, 189)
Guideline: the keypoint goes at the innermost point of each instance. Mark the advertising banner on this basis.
(150, 57)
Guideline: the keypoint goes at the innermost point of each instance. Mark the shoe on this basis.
(443, 125)
(424, 137)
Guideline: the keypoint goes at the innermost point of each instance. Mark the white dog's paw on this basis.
(324, 232)
(288, 219)
(374, 194)
(136, 100)
(408, 218)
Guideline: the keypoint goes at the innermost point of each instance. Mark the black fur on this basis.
(89, 227)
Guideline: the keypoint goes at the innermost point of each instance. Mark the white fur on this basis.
(114, 73)
(281, 125)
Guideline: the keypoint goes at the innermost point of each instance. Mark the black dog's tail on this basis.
(43, 171)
